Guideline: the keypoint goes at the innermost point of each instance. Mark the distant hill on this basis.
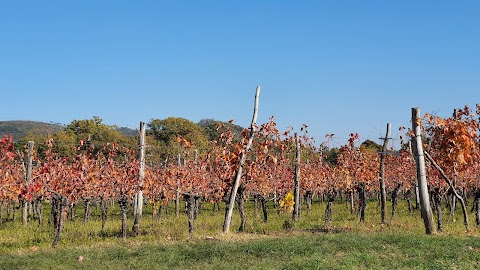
(19, 129)
(128, 131)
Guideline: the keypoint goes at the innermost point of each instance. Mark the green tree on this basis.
(64, 143)
(167, 132)
(93, 132)
(213, 128)
(370, 146)
(331, 155)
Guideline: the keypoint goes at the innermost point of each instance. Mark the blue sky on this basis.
(338, 66)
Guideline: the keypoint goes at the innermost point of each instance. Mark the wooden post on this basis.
(177, 191)
(296, 194)
(30, 161)
(426, 209)
(233, 192)
(139, 196)
(141, 174)
(134, 204)
(383, 154)
(28, 179)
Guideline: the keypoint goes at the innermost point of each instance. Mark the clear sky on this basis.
(338, 66)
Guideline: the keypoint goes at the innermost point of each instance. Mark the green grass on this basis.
(304, 251)
(347, 244)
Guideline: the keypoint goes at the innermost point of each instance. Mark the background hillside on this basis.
(20, 129)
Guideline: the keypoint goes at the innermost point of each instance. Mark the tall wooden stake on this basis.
(28, 179)
(417, 196)
(141, 176)
(296, 194)
(238, 177)
(177, 191)
(383, 154)
(426, 209)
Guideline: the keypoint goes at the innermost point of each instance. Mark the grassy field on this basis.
(347, 244)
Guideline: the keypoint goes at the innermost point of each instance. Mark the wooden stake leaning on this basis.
(238, 177)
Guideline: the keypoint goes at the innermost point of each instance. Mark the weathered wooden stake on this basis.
(383, 154)
(141, 176)
(233, 192)
(177, 191)
(296, 194)
(426, 209)
(28, 179)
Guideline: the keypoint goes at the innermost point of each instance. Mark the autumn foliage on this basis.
(112, 174)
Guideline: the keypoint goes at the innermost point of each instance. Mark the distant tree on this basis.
(370, 146)
(331, 155)
(213, 128)
(64, 143)
(95, 132)
(92, 133)
(39, 140)
(168, 131)
(210, 128)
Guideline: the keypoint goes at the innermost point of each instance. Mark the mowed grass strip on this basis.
(346, 250)
(347, 244)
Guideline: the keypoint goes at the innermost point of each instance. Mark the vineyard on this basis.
(279, 173)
